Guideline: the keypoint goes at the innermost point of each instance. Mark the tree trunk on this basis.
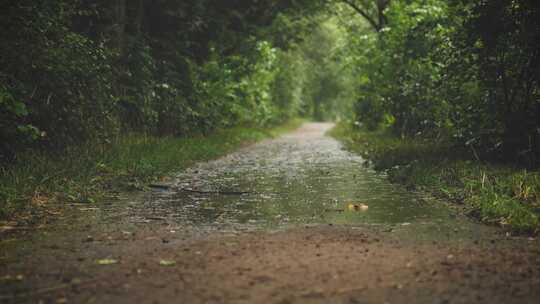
(119, 17)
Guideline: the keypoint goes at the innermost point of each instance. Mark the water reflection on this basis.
(301, 178)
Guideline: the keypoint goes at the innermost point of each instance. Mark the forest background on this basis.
(456, 80)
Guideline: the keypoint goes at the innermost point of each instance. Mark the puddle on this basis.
(302, 178)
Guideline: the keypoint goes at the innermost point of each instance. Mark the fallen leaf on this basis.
(167, 263)
(357, 207)
(107, 261)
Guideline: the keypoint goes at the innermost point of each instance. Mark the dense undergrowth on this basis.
(91, 173)
(494, 193)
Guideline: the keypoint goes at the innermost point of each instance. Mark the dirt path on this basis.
(270, 224)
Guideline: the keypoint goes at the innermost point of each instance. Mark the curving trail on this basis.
(271, 224)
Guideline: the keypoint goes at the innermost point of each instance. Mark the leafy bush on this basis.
(454, 68)
(83, 71)
(56, 84)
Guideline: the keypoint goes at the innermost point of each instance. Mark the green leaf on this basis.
(19, 108)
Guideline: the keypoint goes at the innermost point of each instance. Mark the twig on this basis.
(157, 186)
(475, 154)
(44, 290)
(155, 218)
(11, 228)
(334, 210)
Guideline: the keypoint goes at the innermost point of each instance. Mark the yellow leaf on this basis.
(107, 261)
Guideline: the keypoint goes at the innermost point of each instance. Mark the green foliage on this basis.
(327, 88)
(255, 88)
(13, 128)
(137, 90)
(55, 83)
(505, 56)
(399, 73)
(287, 89)
(447, 68)
(87, 72)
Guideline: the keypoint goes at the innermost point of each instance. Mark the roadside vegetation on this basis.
(457, 71)
(41, 182)
(494, 193)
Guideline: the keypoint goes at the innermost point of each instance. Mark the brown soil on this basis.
(312, 264)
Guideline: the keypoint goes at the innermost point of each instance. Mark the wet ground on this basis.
(291, 220)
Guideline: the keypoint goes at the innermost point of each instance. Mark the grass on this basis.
(494, 193)
(87, 174)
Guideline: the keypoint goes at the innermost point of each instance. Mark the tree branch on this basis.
(363, 13)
